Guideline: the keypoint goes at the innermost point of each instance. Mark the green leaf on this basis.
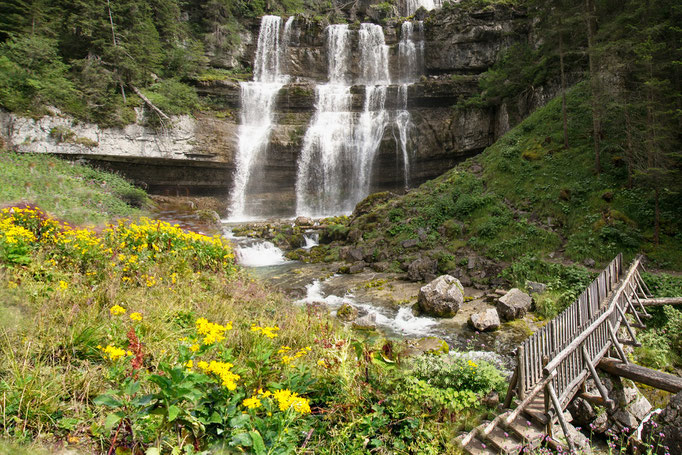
(241, 439)
(173, 412)
(239, 421)
(258, 444)
(112, 419)
(153, 451)
(131, 388)
(108, 401)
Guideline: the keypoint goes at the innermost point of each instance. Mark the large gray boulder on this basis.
(441, 298)
(514, 304)
(484, 321)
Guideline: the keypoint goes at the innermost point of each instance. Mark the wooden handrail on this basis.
(575, 344)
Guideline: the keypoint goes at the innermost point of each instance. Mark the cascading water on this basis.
(411, 6)
(411, 57)
(335, 166)
(258, 101)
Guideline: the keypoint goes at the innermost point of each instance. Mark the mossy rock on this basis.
(426, 345)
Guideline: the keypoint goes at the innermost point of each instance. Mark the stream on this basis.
(387, 295)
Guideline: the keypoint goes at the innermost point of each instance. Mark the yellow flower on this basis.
(117, 310)
(267, 331)
(63, 284)
(222, 370)
(252, 403)
(322, 363)
(194, 348)
(472, 364)
(291, 400)
(189, 364)
(136, 316)
(213, 333)
(115, 353)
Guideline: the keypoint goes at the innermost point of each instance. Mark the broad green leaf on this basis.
(107, 400)
(258, 444)
(241, 439)
(153, 451)
(173, 412)
(112, 420)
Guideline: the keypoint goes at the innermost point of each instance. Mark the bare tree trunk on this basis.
(563, 85)
(594, 85)
(628, 137)
(657, 216)
(158, 111)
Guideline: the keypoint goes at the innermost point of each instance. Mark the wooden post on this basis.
(632, 307)
(639, 323)
(555, 401)
(627, 325)
(522, 373)
(548, 429)
(644, 283)
(602, 390)
(616, 343)
(512, 386)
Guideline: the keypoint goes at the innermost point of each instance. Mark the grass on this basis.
(73, 192)
(73, 301)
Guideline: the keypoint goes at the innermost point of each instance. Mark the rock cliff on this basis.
(196, 155)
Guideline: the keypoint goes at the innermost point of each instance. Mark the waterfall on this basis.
(411, 6)
(335, 167)
(411, 59)
(257, 111)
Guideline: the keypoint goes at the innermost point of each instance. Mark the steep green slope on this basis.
(525, 195)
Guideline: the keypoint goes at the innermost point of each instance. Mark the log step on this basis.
(532, 434)
(478, 447)
(505, 443)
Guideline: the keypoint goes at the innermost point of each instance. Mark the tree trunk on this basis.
(657, 217)
(629, 154)
(594, 85)
(563, 85)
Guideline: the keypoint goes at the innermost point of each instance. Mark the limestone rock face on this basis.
(484, 321)
(514, 304)
(441, 298)
(669, 423)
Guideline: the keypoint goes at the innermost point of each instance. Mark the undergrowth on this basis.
(67, 190)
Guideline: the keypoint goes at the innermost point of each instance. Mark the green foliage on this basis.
(68, 191)
(32, 75)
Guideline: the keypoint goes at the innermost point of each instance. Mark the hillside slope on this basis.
(524, 196)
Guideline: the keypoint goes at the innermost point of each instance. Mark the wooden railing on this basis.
(560, 331)
(562, 354)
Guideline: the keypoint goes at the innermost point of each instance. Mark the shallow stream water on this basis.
(388, 295)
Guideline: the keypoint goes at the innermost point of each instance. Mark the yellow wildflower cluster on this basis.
(114, 353)
(287, 359)
(472, 364)
(136, 317)
(213, 333)
(117, 310)
(291, 400)
(252, 403)
(222, 370)
(31, 219)
(12, 234)
(267, 331)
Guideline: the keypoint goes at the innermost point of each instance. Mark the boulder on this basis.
(669, 424)
(347, 312)
(303, 221)
(441, 298)
(514, 304)
(350, 254)
(367, 322)
(357, 267)
(409, 243)
(484, 321)
(422, 269)
(426, 345)
(535, 288)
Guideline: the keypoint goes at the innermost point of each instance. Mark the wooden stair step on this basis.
(532, 434)
(505, 443)
(478, 447)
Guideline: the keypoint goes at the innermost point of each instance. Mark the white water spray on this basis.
(258, 102)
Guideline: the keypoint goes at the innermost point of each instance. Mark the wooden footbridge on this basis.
(555, 361)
